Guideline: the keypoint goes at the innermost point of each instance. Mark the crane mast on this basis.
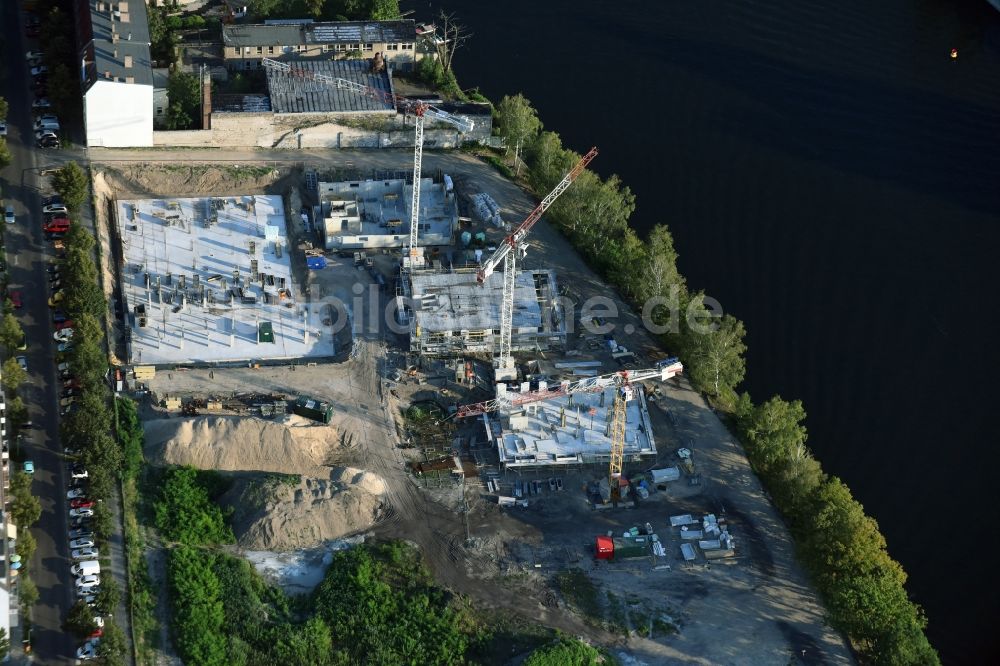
(507, 253)
(419, 109)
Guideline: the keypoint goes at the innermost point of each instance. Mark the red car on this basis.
(82, 503)
(64, 324)
(15, 299)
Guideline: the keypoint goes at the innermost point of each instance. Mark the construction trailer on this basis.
(620, 548)
(317, 410)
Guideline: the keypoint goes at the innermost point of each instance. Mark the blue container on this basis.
(315, 263)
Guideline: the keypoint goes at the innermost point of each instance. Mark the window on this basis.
(325, 48)
(392, 47)
(407, 46)
(355, 47)
(159, 110)
(300, 48)
(369, 47)
(246, 49)
(341, 47)
(260, 49)
(270, 50)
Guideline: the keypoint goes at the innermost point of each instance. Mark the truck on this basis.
(317, 410)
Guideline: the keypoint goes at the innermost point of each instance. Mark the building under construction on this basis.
(452, 314)
(376, 213)
(209, 280)
(568, 430)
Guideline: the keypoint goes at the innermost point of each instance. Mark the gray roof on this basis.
(339, 32)
(129, 21)
(291, 94)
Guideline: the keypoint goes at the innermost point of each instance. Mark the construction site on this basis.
(449, 394)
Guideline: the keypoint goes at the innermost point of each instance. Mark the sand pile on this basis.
(275, 515)
(240, 444)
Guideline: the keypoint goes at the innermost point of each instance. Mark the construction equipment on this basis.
(507, 252)
(623, 383)
(417, 108)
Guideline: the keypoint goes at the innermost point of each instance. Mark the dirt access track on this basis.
(759, 609)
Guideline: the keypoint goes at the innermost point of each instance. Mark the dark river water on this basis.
(833, 178)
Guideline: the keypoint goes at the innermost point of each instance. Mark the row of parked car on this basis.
(46, 124)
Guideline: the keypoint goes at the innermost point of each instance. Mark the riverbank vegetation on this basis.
(840, 546)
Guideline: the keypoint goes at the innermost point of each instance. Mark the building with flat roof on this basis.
(453, 314)
(209, 280)
(117, 72)
(245, 45)
(569, 430)
(376, 213)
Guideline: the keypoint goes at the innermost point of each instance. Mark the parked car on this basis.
(82, 503)
(63, 334)
(88, 650)
(81, 543)
(64, 347)
(80, 533)
(64, 324)
(3, 129)
(52, 199)
(8, 214)
(41, 103)
(23, 362)
(48, 142)
(29, 467)
(88, 553)
(56, 298)
(54, 208)
(34, 55)
(38, 70)
(57, 318)
(78, 472)
(68, 393)
(15, 299)
(81, 513)
(75, 493)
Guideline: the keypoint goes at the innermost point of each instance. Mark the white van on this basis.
(86, 568)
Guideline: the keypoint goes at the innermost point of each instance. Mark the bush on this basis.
(184, 512)
(566, 652)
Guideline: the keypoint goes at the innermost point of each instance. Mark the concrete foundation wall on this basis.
(268, 130)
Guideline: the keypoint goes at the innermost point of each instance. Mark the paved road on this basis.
(27, 254)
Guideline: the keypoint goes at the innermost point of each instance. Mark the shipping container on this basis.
(316, 410)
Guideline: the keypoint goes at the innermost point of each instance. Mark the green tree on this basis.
(714, 348)
(11, 332)
(4, 643)
(104, 520)
(384, 10)
(5, 157)
(774, 432)
(64, 89)
(3, 109)
(13, 375)
(113, 647)
(28, 592)
(519, 124)
(80, 620)
(89, 362)
(73, 186)
(564, 652)
(26, 545)
(25, 507)
(184, 512)
(90, 420)
(184, 93)
(17, 412)
(102, 483)
(108, 597)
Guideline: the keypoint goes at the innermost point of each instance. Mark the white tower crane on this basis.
(507, 253)
(419, 109)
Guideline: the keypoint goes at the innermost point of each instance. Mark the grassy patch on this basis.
(617, 621)
(580, 593)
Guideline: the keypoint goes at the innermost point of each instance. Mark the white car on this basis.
(62, 335)
(81, 513)
(8, 214)
(81, 543)
(88, 650)
(74, 493)
(54, 208)
(34, 55)
(41, 103)
(92, 580)
(85, 554)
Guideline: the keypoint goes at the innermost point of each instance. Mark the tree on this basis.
(13, 375)
(4, 643)
(454, 36)
(714, 348)
(25, 507)
(519, 124)
(26, 545)
(564, 652)
(184, 93)
(113, 646)
(774, 432)
(80, 620)
(11, 332)
(5, 157)
(3, 108)
(104, 520)
(73, 186)
(385, 10)
(102, 483)
(661, 262)
(28, 592)
(108, 597)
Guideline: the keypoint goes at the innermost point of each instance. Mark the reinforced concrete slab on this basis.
(209, 280)
(564, 431)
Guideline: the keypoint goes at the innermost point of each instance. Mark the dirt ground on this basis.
(757, 608)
